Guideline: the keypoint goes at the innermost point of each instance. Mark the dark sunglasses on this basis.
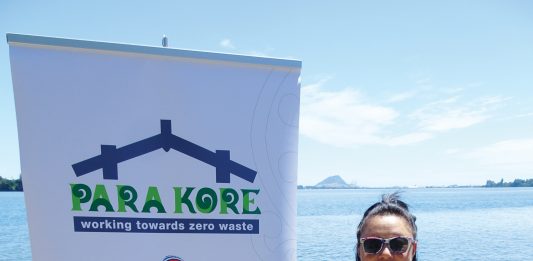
(397, 245)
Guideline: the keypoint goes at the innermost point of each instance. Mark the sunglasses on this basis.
(397, 245)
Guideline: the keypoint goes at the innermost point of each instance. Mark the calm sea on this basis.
(464, 224)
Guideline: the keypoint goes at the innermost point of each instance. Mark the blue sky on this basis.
(407, 93)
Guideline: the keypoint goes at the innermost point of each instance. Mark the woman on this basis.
(387, 231)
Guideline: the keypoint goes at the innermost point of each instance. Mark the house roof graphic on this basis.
(111, 155)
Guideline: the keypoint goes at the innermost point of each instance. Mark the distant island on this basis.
(332, 182)
(10, 184)
(515, 183)
(336, 182)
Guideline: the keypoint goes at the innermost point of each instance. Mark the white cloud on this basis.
(343, 118)
(451, 119)
(406, 139)
(453, 90)
(523, 115)
(451, 114)
(401, 97)
(426, 81)
(226, 43)
(257, 53)
(452, 151)
(507, 154)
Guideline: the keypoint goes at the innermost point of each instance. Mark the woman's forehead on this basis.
(386, 226)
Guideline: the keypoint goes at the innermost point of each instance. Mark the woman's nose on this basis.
(385, 254)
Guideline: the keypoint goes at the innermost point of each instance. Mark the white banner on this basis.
(146, 153)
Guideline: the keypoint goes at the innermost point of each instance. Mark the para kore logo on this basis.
(110, 156)
(224, 201)
(172, 258)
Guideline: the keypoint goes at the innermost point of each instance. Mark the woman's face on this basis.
(385, 227)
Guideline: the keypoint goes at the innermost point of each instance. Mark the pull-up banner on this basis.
(144, 153)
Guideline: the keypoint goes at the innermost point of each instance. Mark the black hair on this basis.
(390, 204)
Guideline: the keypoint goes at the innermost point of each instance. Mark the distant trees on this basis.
(515, 183)
(10, 184)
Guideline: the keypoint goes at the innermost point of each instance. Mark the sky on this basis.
(394, 93)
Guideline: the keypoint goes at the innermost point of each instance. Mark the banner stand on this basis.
(149, 153)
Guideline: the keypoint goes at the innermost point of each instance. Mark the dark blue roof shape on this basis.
(111, 155)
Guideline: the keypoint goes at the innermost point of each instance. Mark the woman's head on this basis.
(387, 231)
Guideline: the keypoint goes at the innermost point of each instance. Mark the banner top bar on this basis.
(150, 50)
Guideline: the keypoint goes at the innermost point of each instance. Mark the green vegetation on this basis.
(10, 184)
(515, 183)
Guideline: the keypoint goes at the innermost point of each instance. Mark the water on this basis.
(14, 240)
(477, 224)
(464, 224)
